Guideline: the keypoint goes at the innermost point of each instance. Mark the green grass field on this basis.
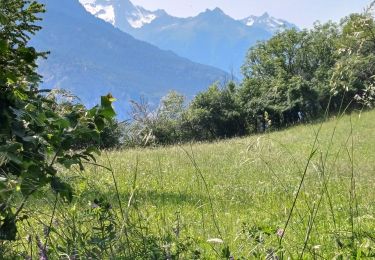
(230, 198)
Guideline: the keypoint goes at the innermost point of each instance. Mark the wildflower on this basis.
(317, 247)
(55, 222)
(215, 240)
(280, 232)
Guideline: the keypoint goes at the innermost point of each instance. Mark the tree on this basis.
(354, 73)
(169, 119)
(216, 113)
(36, 133)
(289, 74)
(160, 126)
(140, 130)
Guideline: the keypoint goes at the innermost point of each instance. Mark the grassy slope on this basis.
(252, 183)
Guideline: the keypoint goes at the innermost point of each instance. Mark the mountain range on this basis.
(101, 46)
(211, 37)
(91, 57)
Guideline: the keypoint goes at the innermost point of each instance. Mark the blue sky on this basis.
(301, 12)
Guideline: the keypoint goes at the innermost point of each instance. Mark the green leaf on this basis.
(93, 149)
(108, 113)
(15, 158)
(3, 46)
(28, 54)
(3, 19)
(93, 111)
(33, 179)
(99, 122)
(10, 147)
(8, 230)
(62, 123)
(87, 156)
(108, 99)
(226, 252)
(62, 188)
(30, 107)
(106, 109)
(20, 94)
(11, 77)
(67, 161)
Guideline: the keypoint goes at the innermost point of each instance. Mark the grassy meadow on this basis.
(233, 199)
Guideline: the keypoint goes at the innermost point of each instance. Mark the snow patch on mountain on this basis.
(106, 13)
(140, 17)
(107, 10)
(249, 21)
(83, 2)
(266, 21)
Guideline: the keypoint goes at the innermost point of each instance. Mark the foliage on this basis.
(169, 118)
(295, 77)
(140, 130)
(330, 66)
(216, 113)
(355, 70)
(160, 126)
(35, 132)
(111, 136)
(288, 74)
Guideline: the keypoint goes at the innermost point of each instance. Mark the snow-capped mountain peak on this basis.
(266, 21)
(114, 10)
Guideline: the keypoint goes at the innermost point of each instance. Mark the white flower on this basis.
(215, 240)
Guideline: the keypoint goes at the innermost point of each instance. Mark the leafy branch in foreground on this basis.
(35, 133)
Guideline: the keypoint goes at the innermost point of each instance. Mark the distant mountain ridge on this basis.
(267, 22)
(211, 37)
(91, 58)
(115, 11)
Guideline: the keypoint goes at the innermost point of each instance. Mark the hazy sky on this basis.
(301, 12)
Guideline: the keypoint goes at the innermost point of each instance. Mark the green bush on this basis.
(216, 113)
